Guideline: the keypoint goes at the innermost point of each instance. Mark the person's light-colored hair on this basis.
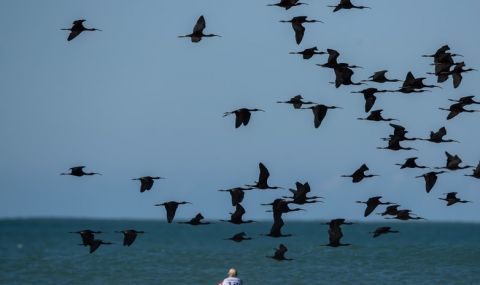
(232, 272)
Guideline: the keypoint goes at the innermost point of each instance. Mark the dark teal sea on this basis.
(41, 251)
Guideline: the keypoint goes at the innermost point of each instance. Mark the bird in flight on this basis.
(237, 216)
(346, 4)
(476, 172)
(78, 171)
(77, 28)
(171, 208)
(242, 116)
(430, 179)
(437, 137)
(453, 162)
(146, 182)
(410, 163)
(298, 28)
(239, 237)
(369, 96)
(263, 176)
(308, 53)
(382, 230)
(359, 174)
(197, 33)
(372, 203)
(319, 113)
(456, 109)
(87, 236)
(236, 194)
(96, 243)
(379, 77)
(129, 236)
(376, 116)
(287, 4)
(451, 199)
(196, 221)
(279, 254)
(335, 234)
(297, 102)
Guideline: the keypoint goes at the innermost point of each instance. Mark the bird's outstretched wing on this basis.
(200, 25)
(73, 34)
(264, 174)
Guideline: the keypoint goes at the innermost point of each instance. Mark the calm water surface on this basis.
(41, 251)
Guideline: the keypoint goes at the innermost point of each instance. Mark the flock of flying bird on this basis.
(444, 68)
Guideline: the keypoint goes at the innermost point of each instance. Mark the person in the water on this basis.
(232, 278)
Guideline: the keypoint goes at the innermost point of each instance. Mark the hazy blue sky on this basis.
(135, 100)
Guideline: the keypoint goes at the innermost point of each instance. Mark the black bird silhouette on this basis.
(196, 221)
(96, 243)
(280, 206)
(276, 229)
(129, 236)
(442, 60)
(410, 163)
(390, 210)
(359, 174)
(466, 100)
(242, 116)
(376, 116)
(335, 223)
(453, 163)
(370, 98)
(77, 28)
(332, 60)
(146, 182)
(239, 237)
(319, 113)
(430, 179)
(382, 230)
(379, 77)
(309, 52)
(399, 133)
(372, 203)
(476, 172)
(171, 208)
(197, 33)
(414, 85)
(262, 182)
(442, 67)
(347, 4)
(297, 102)
(297, 26)
(78, 171)
(300, 194)
(457, 73)
(404, 215)
(334, 236)
(442, 50)
(394, 144)
(236, 217)
(280, 253)
(87, 236)
(287, 4)
(437, 137)
(343, 75)
(451, 199)
(456, 109)
(236, 194)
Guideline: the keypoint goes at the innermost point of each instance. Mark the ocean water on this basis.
(41, 251)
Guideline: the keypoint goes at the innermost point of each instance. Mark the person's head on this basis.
(232, 272)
